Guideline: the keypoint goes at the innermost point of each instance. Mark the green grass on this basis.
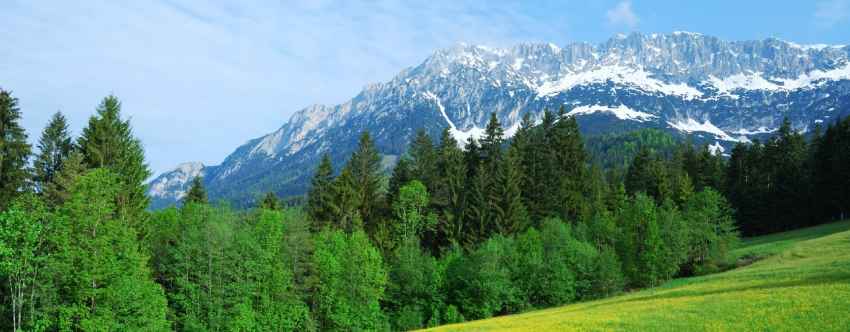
(803, 284)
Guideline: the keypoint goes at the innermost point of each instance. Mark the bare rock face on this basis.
(721, 92)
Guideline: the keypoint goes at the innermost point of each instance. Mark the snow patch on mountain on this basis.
(755, 81)
(691, 126)
(716, 148)
(628, 76)
(756, 131)
(622, 112)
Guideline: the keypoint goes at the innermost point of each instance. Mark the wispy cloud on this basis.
(831, 12)
(199, 77)
(623, 15)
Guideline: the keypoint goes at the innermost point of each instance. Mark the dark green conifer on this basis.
(14, 150)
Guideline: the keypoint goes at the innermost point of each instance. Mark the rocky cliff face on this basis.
(722, 92)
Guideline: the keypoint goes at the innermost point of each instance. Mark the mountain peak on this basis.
(721, 92)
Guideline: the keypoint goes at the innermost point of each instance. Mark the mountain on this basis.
(721, 92)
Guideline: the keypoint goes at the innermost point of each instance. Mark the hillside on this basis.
(804, 284)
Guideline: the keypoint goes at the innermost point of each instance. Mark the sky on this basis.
(199, 78)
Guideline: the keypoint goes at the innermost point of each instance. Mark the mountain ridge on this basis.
(683, 82)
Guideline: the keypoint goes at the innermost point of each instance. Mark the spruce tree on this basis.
(477, 211)
(54, 147)
(320, 196)
(365, 169)
(57, 191)
(570, 171)
(108, 142)
(270, 202)
(491, 143)
(402, 174)
(14, 150)
(344, 204)
(423, 159)
(449, 193)
(509, 213)
(196, 194)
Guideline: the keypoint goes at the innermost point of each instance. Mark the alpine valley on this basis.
(688, 84)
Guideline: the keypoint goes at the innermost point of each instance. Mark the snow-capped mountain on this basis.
(722, 92)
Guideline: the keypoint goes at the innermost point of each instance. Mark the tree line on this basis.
(456, 232)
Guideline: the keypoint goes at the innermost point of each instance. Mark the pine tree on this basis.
(402, 174)
(510, 215)
(108, 142)
(788, 189)
(344, 204)
(321, 194)
(365, 169)
(54, 146)
(449, 193)
(491, 143)
(270, 202)
(423, 159)
(477, 211)
(57, 191)
(197, 194)
(567, 152)
(14, 150)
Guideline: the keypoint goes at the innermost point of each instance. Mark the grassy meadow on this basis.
(800, 280)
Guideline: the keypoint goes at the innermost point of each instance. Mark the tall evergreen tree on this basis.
(509, 213)
(491, 143)
(54, 147)
(449, 193)
(197, 194)
(321, 193)
(108, 142)
(402, 174)
(14, 150)
(344, 204)
(423, 159)
(58, 190)
(365, 169)
(570, 169)
(270, 202)
(831, 167)
(788, 188)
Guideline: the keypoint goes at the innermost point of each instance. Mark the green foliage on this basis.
(448, 196)
(410, 209)
(14, 150)
(23, 232)
(270, 201)
(365, 180)
(616, 151)
(103, 276)
(108, 142)
(413, 298)
(54, 147)
(479, 284)
(196, 194)
(641, 247)
(712, 230)
(350, 282)
(228, 271)
(321, 194)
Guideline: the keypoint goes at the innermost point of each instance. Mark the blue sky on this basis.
(198, 78)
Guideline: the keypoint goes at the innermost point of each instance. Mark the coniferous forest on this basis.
(456, 231)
